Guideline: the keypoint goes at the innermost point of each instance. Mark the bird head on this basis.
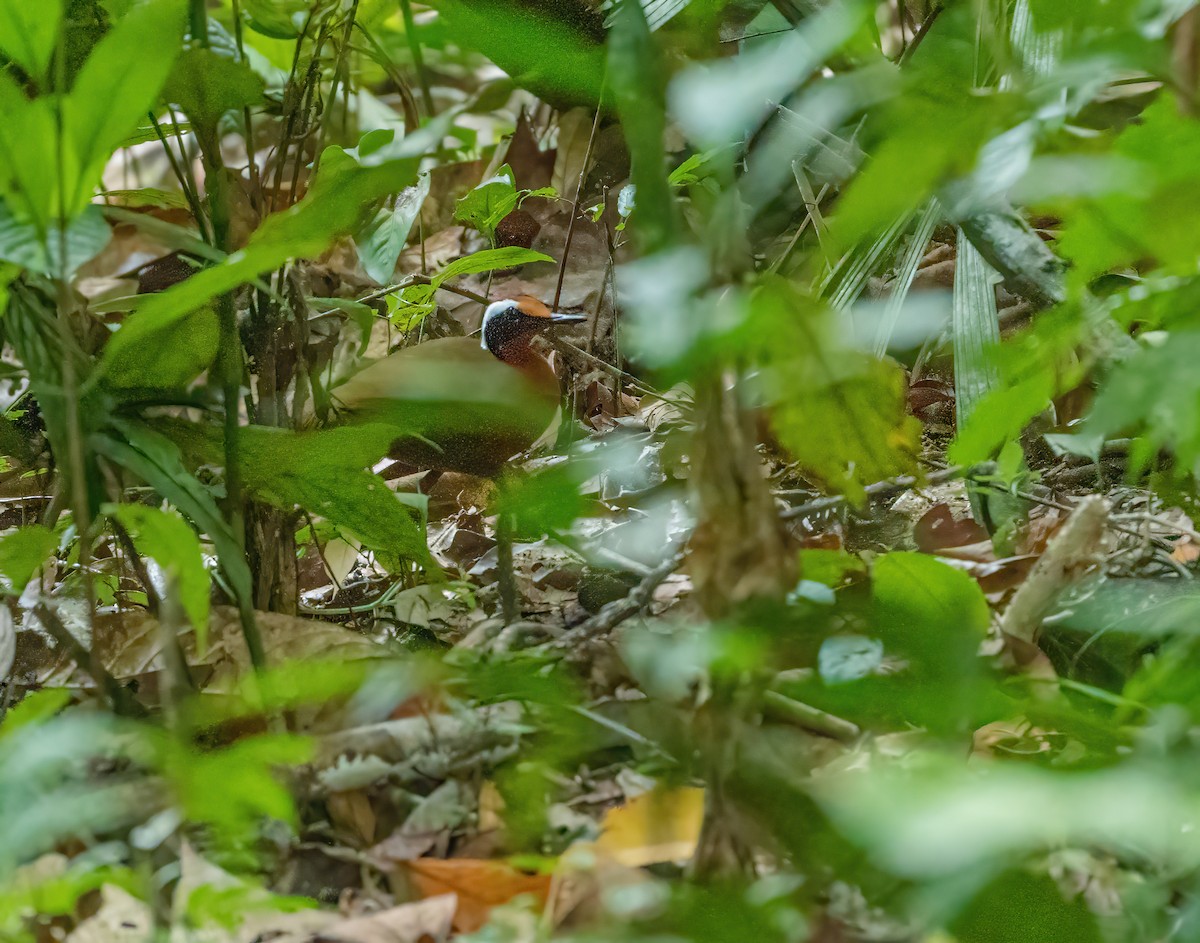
(517, 319)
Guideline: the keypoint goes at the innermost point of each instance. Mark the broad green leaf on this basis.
(29, 32)
(332, 207)
(23, 553)
(488, 260)
(545, 502)
(325, 473)
(168, 540)
(233, 789)
(49, 792)
(157, 461)
(1150, 218)
(279, 19)
(21, 244)
(1019, 906)
(839, 412)
(929, 619)
(114, 90)
(1155, 393)
(558, 59)
(487, 204)
(942, 817)
(719, 101)
(144, 371)
(34, 708)
(638, 81)
(206, 85)
(27, 152)
(381, 241)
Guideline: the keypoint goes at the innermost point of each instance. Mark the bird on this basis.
(464, 406)
(467, 406)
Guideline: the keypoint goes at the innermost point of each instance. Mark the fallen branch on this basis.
(617, 611)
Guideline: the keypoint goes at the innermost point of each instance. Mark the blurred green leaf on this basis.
(1155, 393)
(114, 90)
(325, 472)
(46, 792)
(939, 818)
(28, 33)
(830, 567)
(840, 413)
(232, 789)
(168, 540)
(547, 501)
(638, 81)
(1018, 907)
(23, 553)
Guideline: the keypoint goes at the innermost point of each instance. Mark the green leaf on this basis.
(638, 81)
(207, 85)
(114, 90)
(144, 371)
(23, 553)
(840, 413)
(29, 32)
(325, 473)
(27, 151)
(1155, 393)
(157, 461)
(487, 204)
(489, 260)
(381, 241)
(279, 19)
(168, 540)
(21, 244)
(1019, 906)
(545, 502)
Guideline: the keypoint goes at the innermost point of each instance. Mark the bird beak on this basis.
(559, 318)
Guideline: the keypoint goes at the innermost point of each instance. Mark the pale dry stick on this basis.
(1075, 547)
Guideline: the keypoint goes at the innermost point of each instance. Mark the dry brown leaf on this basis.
(938, 529)
(352, 811)
(479, 885)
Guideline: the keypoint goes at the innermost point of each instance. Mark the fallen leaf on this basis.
(423, 921)
(657, 826)
(479, 885)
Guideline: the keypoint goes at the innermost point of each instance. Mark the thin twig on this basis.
(587, 156)
(882, 489)
(616, 612)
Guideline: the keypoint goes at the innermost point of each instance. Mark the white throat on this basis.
(493, 310)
